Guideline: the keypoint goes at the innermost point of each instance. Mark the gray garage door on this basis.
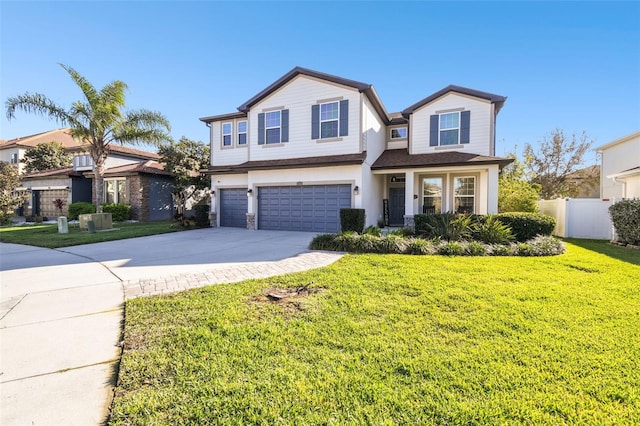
(233, 207)
(302, 208)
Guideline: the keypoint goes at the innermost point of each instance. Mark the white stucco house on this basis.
(620, 175)
(312, 143)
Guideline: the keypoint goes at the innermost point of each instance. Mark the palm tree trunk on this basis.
(98, 185)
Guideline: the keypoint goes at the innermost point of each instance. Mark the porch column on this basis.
(492, 190)
(409, 202)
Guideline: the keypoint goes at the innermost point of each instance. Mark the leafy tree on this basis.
(10, 199)
(97, 120)
(515, 192)
(45, 156)
(557, 157)
(184, 160)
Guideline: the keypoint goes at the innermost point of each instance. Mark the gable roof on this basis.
(365, 88)
(495, 99)
(400, 158)
(64, 138)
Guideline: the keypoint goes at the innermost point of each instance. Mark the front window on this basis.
(432, 195)
(449, 128)
(464, 194)
(226, 134)
(399, 133)
(242, 133)
(272, 126)
(14, 158)
(329, 114)
(115, 191)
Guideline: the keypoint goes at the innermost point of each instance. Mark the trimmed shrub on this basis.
(544, 245)
(119, 212)
(393, 244)
(490, 230)
(81, 207)
(526, 226)
(451, 248)
(323, 242)
(421, 246)
(352, 220)
(202, 215)
(625, 216)
(475, 248)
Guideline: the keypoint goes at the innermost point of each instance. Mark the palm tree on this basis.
(97, 121)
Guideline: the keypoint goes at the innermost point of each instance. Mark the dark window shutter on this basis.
(465, 119)
(315, 121)
(284, 117)
(261, 128)
(433, 130)
(344, 117)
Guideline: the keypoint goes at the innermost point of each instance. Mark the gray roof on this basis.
(496, 99)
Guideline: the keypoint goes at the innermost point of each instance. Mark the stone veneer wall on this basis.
(136, 195)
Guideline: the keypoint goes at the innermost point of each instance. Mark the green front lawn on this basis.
(395, 339)
(46, 235)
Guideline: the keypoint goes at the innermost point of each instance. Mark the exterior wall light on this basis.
(249, 192)
(356, 189)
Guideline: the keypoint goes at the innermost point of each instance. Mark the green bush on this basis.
(81, 207)
(526, 226)
(323, 242)
(490, 230)
(119, 212)
(373, 230)
(475, 248)
(202, 215)
(404, 232)
(447, 226)
(451, 248)
(352, 220)
(421, 246)
(625, 216)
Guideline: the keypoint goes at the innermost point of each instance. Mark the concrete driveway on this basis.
(61, 311)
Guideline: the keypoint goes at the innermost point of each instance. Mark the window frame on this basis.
(228, 135)
(336, 120)
(15, 158)
(443, 183)
(116, 193)
(406, 132)
(448, 129)
(245, 132)
(472, 197)
(267, 127)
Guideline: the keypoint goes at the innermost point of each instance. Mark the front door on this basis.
(35, 203)
(396, 206)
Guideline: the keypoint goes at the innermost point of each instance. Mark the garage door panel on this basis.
(233, 207)
(302, 208)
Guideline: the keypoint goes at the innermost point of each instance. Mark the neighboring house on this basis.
(620, 175)
(132, 176)
(312, 143)
(586, 181)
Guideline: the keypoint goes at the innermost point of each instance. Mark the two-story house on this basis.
(312, 143)
(132, 176)
(620, 175)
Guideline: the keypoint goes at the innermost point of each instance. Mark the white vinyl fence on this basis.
(579, 217)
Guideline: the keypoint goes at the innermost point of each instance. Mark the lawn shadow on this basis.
(608, 249)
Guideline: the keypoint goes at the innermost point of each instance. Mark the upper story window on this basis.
(82, 162)
(242, 132)
(399, 133)
(273, 127)
(329, 114)
(449, 128)
(226, 134)
(14, 158)
(330, 120)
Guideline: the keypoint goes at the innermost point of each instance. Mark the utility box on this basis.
(100, 220)
(63, 226)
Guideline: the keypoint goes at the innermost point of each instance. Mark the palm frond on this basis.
(147, 119)
(38, 104)
(113, 93)
(87, 88)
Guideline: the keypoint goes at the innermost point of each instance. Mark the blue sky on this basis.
(569, 65)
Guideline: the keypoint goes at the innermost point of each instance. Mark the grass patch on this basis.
(394, 339)
(46, 235)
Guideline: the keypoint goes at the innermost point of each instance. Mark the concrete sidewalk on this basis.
(61, 311)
